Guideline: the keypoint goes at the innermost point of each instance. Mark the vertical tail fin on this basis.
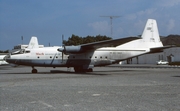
(33, 43)
(150, 37)
(151, 33)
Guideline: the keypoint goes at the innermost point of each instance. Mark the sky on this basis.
(50, 19)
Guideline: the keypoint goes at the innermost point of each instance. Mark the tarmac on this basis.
(110, 88)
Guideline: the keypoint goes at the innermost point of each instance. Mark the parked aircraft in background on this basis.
(86, 56)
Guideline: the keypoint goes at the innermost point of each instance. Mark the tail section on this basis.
(33, 43)
(150, 37)
(150, 34)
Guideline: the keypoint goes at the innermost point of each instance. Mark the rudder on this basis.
(151, 33)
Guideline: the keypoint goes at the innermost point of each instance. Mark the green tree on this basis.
(76, 40)
(73, 40)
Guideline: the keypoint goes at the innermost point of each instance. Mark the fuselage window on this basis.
(95, 56)
(56, 56)
(106, 57)
(101, 57)
(38, 57)
(90, 57)
(50, 56)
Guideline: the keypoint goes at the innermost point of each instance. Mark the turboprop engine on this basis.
(70, 49)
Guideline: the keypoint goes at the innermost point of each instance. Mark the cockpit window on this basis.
(21, 51)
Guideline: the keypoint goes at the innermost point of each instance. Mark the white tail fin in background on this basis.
(33, 43)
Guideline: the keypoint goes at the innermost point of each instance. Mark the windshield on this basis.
(21, 51)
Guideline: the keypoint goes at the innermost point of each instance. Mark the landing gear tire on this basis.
(90, 70)
(78, 69)
(34, 71)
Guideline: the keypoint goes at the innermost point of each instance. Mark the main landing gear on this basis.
(34, 70)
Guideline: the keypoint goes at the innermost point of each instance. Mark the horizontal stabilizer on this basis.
(160, 49)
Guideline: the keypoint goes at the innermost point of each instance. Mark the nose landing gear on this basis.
(34, 70)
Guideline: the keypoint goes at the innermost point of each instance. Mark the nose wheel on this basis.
(34, 70)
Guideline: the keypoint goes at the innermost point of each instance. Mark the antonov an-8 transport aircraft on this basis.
(86, 56)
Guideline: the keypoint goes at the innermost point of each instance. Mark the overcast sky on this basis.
(49, 19)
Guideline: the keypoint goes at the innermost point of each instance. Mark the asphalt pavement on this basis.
(112, 88)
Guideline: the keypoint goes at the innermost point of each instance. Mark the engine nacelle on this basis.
(70, 49)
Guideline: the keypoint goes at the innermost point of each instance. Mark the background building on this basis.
(170, 55)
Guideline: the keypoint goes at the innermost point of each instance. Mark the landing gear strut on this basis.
(34, 70)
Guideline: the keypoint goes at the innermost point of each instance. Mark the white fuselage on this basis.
(50, 57)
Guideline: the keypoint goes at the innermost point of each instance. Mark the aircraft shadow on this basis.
(175, 76)
(68, 72)
(58, 72)
(115, 71)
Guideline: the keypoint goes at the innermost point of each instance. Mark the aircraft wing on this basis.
(107, 43)
(96, 45)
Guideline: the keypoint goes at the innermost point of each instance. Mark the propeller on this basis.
(68, 49)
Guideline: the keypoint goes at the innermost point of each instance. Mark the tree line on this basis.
(6, 51)
(76, 40)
